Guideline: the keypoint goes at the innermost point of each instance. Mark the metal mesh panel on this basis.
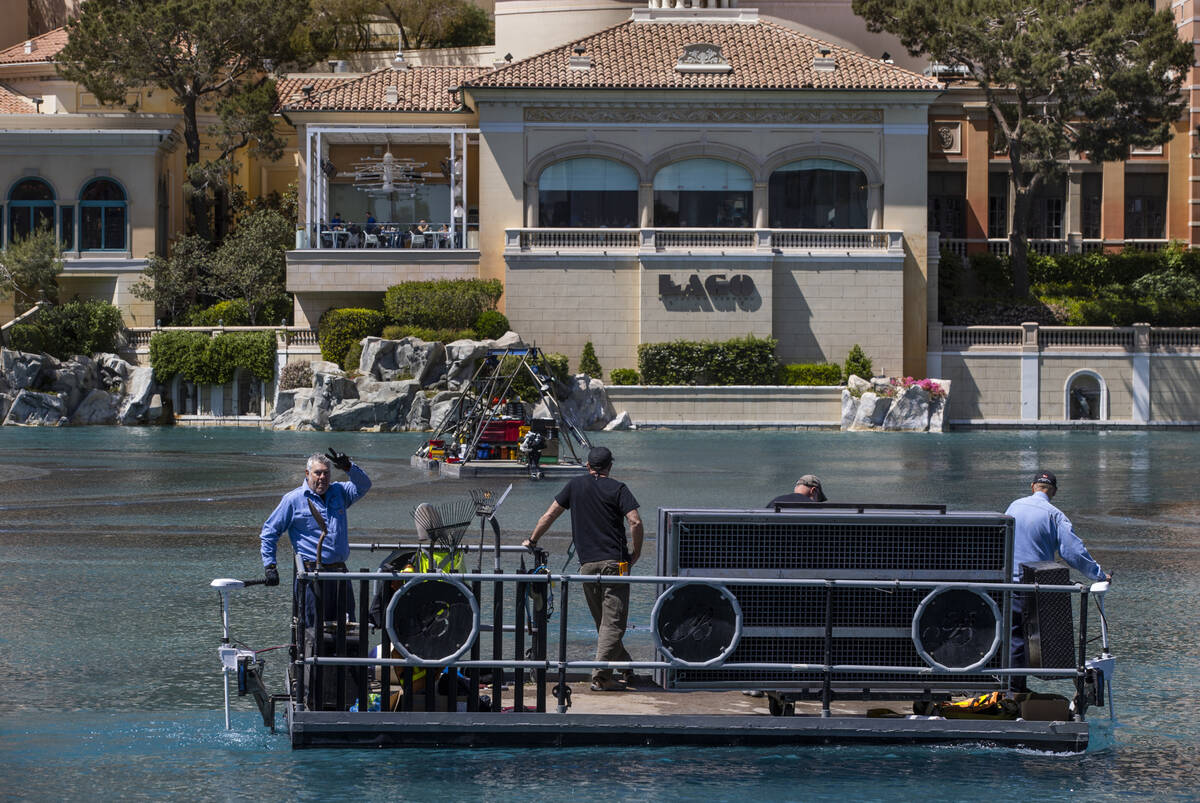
(774, 606)
(802, 545)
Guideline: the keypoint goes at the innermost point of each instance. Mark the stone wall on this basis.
(650, 405)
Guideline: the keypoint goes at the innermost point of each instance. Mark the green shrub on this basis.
(588, 364)
(393, 332)
(490, 325)
(353, 356)
(26, 337)
(338, 329)
(226, 313)
(810, 373)
(858, 364)
(740, 361)
(212, 360)
(441, 304)
(77, 327)
(625, 376)
(296, 375)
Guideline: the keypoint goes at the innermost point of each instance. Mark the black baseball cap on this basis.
(599, 457)
(1046, 478)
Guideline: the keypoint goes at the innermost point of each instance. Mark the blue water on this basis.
(108, 681)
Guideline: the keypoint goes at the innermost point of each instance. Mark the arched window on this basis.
(587, 192)
(705, 193)
(818, 194)
(102, 216)
(30, 207)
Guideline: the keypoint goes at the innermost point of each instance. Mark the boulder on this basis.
(377, 355)
(442, 409)
(858, 385)
(849, 408)
(306, 413)
(461, 356)
(508, 340)
(73, 380)
(6, 400)
(622, 421)
(98, 407)
(33, 408)
(138, 392)
(871, 411)
(384, 415)
(114, 371)
(909, 411)
(937, 407)
(418, 414)
(20, 369)
(881, 385)
(331, 383)
(417, 359)
(587, 405)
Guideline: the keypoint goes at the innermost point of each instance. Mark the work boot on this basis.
(607, 684)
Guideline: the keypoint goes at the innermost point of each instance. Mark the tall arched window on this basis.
(818, 194)
(587, 192)
(704, 193)
(102, 216)
(30, 207)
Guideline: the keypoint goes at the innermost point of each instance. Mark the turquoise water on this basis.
(108, 681)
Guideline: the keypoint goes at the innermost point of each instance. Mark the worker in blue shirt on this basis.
(1040, 531)
(313, 515)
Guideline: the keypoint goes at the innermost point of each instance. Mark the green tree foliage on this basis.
(29, 270)
(625, 376)
(212, 360)
(339, 329)
(393, 332)
(740, 361)
(251, 265)
(441, 304)
(1059, 77)
(588, 364)
(175, 283)
(210, 55)
(857, 364)
(352, 25)
(77, 327)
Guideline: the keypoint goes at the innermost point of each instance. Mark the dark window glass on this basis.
(66, 227)
(1145, 206)
(704, 193)
(1047, 207)
(102, 216)
(31, 208)
(947, 202)
(588, 192)
(818, 194)
(1092, 189)
(31, 189)
(997, 205)
(102, 190)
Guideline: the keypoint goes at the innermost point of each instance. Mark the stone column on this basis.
(1112, 205)
(759, 206)
(1073, 225)
(1141, 373)
(976, 146)
(875, 206)
(933, 344)
(1030, 365)
(645, 205)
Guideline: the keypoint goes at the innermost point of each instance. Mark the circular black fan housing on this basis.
(956, 628)
(433, 620)
(697, 623)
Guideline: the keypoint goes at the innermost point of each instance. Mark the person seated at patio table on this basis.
(336, 222)
(370, 225)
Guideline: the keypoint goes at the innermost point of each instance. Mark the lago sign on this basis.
(716, 291)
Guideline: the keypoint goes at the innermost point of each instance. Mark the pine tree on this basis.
(588, 364)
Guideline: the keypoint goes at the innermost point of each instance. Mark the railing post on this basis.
(763, 240)
(827, 676)
(648, 243)
(1030, 363)
(561, 689)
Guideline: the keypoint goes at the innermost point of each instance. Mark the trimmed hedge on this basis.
(810, 373)
(625, 376)
(339, 329)
(490, 325)
(394, 332)
(209, 360)
(588, 364)
(236, 313)
(441, 304)
(740, 361)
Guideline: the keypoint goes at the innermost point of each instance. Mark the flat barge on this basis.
(826, 624)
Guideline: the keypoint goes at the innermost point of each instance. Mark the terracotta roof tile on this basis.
(418, 89)
(642, 54)
(291, 88)
(12, 102)
(45, 48)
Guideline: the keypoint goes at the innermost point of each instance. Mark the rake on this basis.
(444, 525)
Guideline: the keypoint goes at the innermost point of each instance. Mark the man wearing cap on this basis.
(808, 490)
(1040, 531)
(599, 507)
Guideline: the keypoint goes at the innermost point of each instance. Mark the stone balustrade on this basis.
(658, 240)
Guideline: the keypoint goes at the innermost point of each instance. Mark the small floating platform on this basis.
(495, 468)
(653, 716)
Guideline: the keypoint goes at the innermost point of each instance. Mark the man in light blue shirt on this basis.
(304, 512)
(1040, 531)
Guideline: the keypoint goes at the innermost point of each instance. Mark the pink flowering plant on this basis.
(931, 387)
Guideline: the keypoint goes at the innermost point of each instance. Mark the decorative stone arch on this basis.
(576, 150)
(840, 153)
(1085, 387)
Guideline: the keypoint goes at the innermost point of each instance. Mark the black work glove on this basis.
(339, 459)
(272, 575)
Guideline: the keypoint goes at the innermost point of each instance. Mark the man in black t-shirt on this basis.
(599, 507)
(808, 490)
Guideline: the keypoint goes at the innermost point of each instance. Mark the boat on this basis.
(483, 434)
(826, 623)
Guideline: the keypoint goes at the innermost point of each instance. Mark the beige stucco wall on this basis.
(983, 386)
(1175, 388)
(1054, 372)
(793, 406)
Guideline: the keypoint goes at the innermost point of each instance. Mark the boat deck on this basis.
(495, 468)
(645, 714)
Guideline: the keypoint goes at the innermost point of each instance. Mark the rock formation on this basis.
(878, 404)
(39, 390)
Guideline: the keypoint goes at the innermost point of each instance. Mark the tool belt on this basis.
(311, 566)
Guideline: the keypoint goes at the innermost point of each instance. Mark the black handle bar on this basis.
(260, 582)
